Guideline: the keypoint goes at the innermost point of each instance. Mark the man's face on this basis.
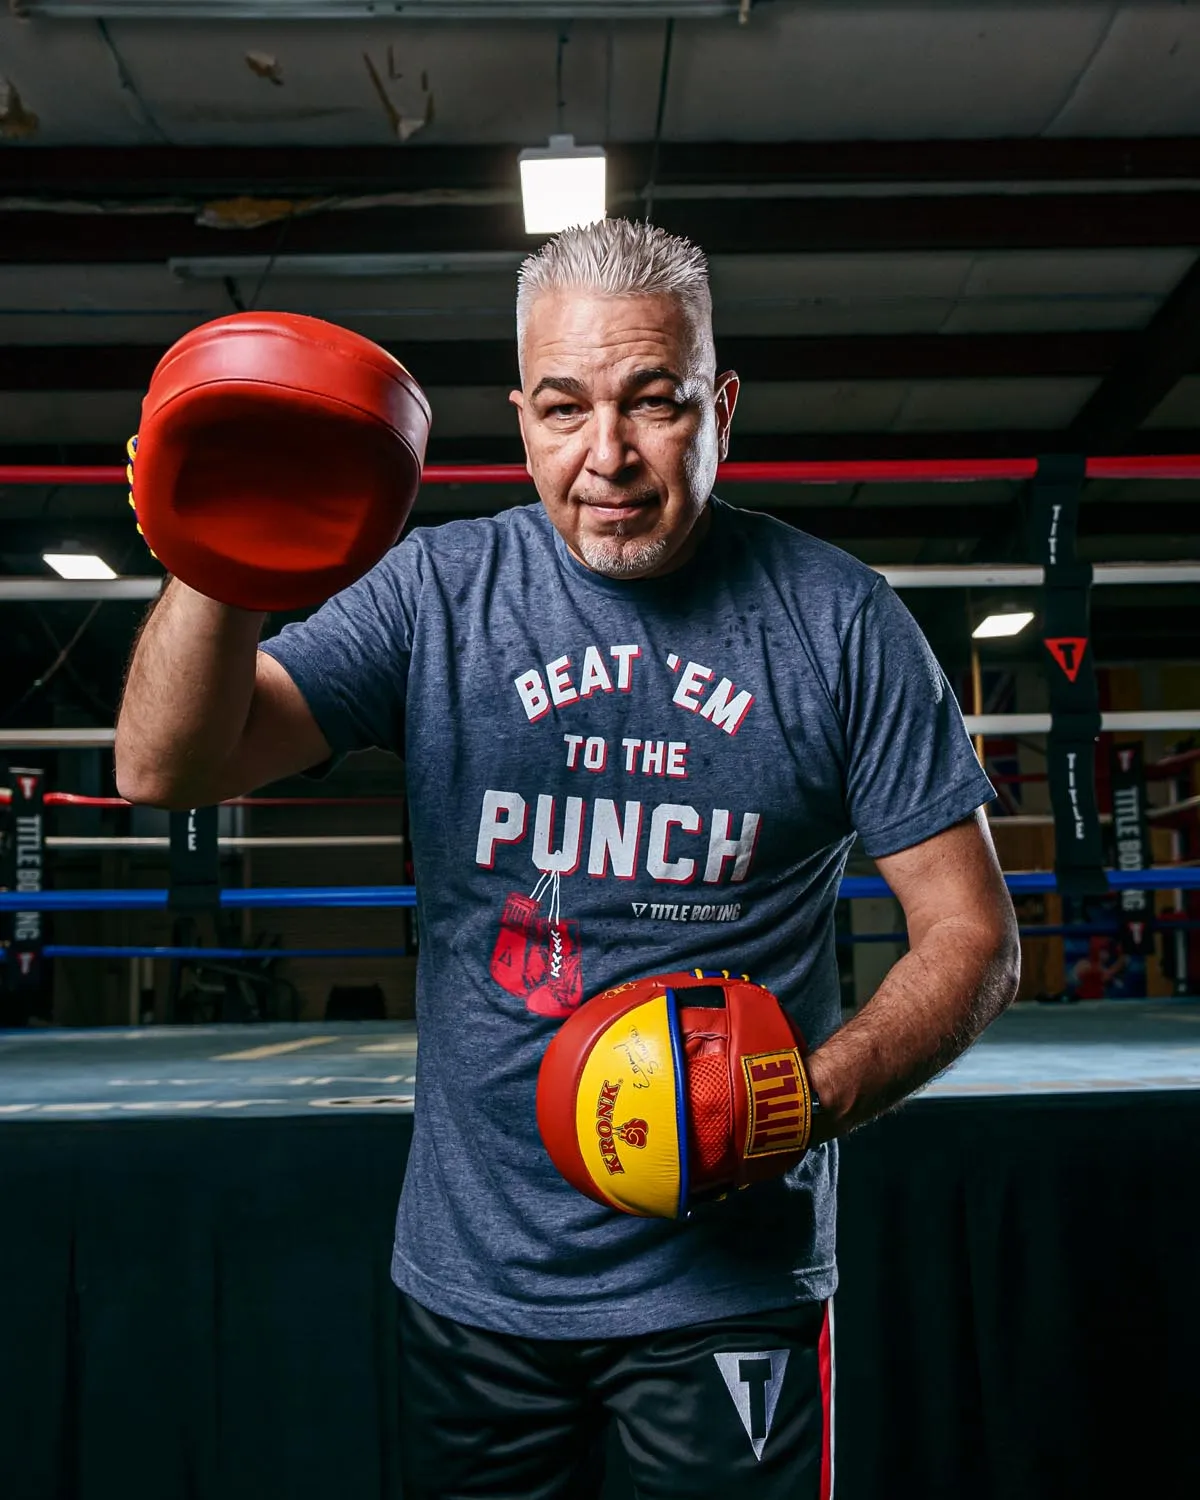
(623, 428)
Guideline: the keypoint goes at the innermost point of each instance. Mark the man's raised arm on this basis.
(205, 715)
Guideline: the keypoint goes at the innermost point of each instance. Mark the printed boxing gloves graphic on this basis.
(537, 954)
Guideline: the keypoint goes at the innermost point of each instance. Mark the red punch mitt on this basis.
(278, 458)
(659, 1094)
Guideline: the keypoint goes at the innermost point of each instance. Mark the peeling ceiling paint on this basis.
(16, 122)
(265, 65)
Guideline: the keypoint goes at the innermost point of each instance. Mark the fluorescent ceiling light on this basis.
(995, 626)
(78, 565)
(452, 263)
(379, 10)
(59, 589)
(561, 185)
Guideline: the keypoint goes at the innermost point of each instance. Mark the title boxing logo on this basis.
(1068, 652)
(27, 925)
(755, 1381)
(779, 1119)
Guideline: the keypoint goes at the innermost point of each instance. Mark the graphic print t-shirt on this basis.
(610, 779)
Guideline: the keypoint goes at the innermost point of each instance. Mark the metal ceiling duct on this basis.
(382, 10)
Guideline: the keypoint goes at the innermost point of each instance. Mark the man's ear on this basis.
(725, 394)
(517, 398)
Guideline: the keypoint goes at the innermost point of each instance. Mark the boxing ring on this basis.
(197, 1221)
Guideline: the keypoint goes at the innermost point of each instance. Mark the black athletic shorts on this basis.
(741, 1407)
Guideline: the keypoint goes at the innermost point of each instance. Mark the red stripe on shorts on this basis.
(825, 1367)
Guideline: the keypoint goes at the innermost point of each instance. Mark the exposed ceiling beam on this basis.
(209, 171)
(1002, 537)
(966, 521)
(972, 222)
(1153, 363)
(999, 442)
(1143, 639)
(96, 367)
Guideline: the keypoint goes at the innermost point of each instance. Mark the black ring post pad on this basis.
(23, 868)
(1070, 675)
(195, 866)
(1131, 844)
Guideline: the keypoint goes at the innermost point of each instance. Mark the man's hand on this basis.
(961, 970)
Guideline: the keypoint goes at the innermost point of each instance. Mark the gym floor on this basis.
(1093, 1047)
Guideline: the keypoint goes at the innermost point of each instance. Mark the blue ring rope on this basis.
(226, 955)
(1033, 882)
(1066, 929)
(266, 896)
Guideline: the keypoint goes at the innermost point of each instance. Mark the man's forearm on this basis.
(187, 697)
(931, 1006)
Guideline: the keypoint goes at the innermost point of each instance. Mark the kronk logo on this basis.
(632, 1132)
(28, 786)
(1068, 652)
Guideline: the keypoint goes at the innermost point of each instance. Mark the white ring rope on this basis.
(1182, 720)
(348, 841)
(918, 576)
(1144, 722)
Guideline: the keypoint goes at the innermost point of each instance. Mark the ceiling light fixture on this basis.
(996, 627)
(78, 565)
(451, 263)
(562, 184)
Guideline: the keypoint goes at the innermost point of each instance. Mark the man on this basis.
(641, 731)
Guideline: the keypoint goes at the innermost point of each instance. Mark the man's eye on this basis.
(657, 403)
(566, 410)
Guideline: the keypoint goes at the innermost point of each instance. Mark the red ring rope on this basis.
(823, 471)
(78, 799)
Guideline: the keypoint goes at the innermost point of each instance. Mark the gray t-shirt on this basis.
(608, 780)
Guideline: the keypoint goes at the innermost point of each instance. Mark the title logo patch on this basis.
(780, 1108)
(1067, 651)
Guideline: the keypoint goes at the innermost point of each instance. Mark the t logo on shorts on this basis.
(754, 1381)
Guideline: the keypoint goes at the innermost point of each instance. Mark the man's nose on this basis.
(609, 451)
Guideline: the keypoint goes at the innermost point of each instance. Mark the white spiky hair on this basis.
(620, 258)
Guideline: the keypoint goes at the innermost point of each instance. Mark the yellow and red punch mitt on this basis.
(278, 458)
(660, 1094)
